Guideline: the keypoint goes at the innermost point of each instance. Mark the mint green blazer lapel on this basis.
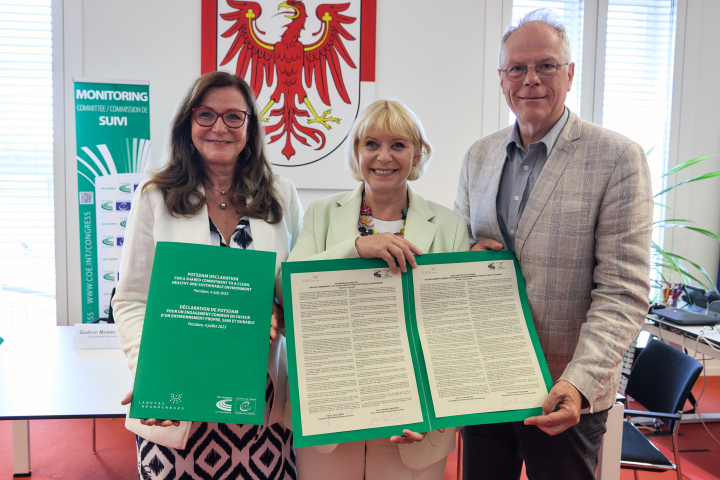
(418, 229)
(344, 218)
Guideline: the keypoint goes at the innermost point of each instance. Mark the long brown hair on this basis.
(180, 177)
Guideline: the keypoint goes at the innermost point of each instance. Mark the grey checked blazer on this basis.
(583, 244)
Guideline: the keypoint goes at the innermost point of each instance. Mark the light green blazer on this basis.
(329, 231)
(330, 227)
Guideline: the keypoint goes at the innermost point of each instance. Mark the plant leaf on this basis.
(707, 233)
(686, 164)
(686, 277)
(673, 220)
(702, 270)
(674, 263)
(694, 179)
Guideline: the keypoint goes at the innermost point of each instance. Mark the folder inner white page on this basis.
(477, 348)
(354, 365)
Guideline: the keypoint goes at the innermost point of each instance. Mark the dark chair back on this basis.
(661, 378)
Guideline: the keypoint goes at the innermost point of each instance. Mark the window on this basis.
(638, 82)
(27, 231)
(570, 13)
(638, 75)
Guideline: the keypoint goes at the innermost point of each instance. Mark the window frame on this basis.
(59, 112)
(67, 37)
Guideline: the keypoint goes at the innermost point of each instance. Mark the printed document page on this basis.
(354, 365)
(477, 347)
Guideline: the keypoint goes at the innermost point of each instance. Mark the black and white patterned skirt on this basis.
(217, 451)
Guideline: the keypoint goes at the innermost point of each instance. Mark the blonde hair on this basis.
(391, 117)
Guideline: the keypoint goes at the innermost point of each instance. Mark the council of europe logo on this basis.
(122, 206)
(245, 406)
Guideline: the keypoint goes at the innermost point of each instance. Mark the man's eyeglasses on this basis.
(206, 117)
(516, 73)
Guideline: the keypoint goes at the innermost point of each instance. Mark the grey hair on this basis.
(546, 16)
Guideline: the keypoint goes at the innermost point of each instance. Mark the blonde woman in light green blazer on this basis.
(382, 218)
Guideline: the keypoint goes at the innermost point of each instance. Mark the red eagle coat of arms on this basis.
(312, 68)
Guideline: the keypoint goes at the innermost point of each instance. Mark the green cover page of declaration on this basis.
(204, 349)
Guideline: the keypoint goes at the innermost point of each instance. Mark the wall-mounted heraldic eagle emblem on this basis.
(312, 68)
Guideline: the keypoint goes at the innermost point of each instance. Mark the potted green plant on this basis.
(666, 264)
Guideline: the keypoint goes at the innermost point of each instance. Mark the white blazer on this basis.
(150, 222)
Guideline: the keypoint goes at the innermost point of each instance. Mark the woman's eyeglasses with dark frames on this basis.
(206, 117)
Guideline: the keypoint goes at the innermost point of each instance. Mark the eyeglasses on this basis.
(516, 73)
(206, 117)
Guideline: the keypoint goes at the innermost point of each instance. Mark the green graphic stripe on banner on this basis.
(113, 138)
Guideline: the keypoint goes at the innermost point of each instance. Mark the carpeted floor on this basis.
(700, 454)
(62, 449)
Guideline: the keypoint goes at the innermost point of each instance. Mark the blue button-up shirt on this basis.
(520, 172)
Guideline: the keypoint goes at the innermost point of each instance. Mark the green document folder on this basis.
(430, 421)
(204, 348)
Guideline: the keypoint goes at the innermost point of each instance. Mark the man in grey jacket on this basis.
(574, 201)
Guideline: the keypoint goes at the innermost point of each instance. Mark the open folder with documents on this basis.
(447, 344)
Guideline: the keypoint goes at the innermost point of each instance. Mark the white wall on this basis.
(439, 58)
(421, 60)
(695, 133)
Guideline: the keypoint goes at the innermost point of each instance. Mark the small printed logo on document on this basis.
(382, 273)
(245, 406)
(176, 398)
(224, 404)
(496, 265)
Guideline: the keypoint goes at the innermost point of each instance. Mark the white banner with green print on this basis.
(112, 121)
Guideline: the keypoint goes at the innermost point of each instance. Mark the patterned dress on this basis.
(217, 451)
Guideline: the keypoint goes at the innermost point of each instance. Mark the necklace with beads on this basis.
(223, 205)
(366, 225)
(222, 192)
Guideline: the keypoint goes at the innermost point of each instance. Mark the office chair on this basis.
(660, 380)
